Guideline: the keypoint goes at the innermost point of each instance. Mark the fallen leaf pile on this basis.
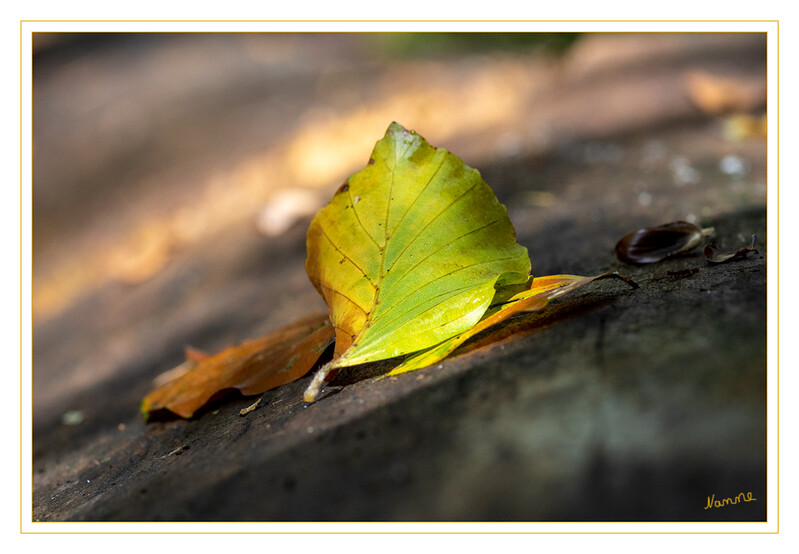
(413, 256)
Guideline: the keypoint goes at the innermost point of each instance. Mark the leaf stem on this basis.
(316, 383)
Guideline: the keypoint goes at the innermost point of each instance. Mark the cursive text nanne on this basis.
(742, 497)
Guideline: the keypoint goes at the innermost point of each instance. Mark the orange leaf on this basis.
(253, 367)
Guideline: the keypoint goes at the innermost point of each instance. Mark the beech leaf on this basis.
(253, 367)
(409, 252)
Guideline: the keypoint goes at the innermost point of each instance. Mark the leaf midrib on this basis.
(381, 271)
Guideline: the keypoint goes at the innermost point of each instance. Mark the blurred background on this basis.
(144, 144)
(174, 176)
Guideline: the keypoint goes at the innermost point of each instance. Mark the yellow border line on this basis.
(26, 21)
(30, 477)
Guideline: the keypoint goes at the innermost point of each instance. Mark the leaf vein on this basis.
(382, 319)
(456, 239)
(340, 251)
(336, 291)
(433, 176)
(449, 294)
(423, 229)
(358, 219)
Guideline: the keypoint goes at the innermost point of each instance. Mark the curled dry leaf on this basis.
(713, 256)
(252, 367)
(654, 244)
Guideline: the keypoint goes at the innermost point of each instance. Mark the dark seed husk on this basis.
(654, 244)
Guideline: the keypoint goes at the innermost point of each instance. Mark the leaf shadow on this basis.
(521, 325)
(357, 373)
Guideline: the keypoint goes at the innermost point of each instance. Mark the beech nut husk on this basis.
(654, 244)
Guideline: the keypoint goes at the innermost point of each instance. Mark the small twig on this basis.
(617, 275)
(179, 450)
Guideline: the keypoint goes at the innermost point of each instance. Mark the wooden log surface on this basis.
(613, 404)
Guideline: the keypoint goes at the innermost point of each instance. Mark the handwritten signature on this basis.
(742, 497)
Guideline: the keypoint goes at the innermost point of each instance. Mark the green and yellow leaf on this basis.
(409, 252)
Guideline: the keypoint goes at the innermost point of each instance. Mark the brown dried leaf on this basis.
(252, 367)
(713, 256)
